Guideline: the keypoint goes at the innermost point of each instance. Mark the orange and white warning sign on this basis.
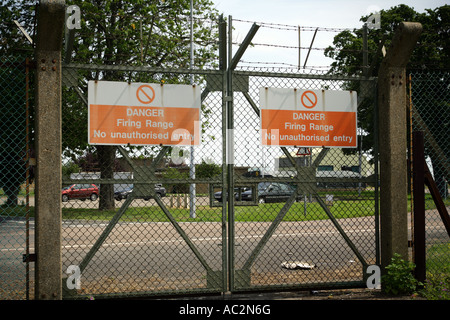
(308, 118)
(143, 114)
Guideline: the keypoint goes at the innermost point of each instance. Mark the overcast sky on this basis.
(311, 13)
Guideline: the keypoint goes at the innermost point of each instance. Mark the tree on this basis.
(117, 32)
(123, 32)
(175, 174)
(12, 128)
(12, 41)
(14, 48)
(207, 170)
(432, 52)
(347, 52)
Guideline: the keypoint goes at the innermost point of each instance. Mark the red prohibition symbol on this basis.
(145, 94)
(309, 99)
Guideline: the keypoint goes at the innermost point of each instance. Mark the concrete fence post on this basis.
(393, 142)
(48, 150)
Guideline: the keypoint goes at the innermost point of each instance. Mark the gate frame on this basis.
(305, 178)
(144, 177)
(227, 279)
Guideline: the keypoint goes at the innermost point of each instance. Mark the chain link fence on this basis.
(16, 177)
(227, 215)
(313, 218)
(230, 214)
(430, 113)
(154, 234)
(131, 220)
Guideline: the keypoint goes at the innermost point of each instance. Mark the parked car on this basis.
(267, 192)
(218, 195)
(80, 191)
(270, 192)
(123, 194)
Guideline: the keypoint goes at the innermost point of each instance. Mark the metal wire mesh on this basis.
(328, 233)
(15, 179)
(133, 224)
(136, 222)
(156, 240)
(143, 245)
(430, 111)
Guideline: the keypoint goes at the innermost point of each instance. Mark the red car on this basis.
(80, 191)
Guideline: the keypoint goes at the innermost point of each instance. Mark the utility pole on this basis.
(192, 191)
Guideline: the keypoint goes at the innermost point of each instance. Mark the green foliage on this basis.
(69, 168)
(175, 174)
(431, 99)
(207, 170)
(430, 53)
(12, 127)
(437, 286)
(134, 33)
(12, 41)
(399, 278)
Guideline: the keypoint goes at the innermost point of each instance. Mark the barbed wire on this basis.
(279, 66)
(301, 48)
(293, 27)
(134, 34)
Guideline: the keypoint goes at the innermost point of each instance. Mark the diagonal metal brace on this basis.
(270, 230)
(341, 231)
(105, 234)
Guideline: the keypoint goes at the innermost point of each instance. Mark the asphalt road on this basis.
(153, 256)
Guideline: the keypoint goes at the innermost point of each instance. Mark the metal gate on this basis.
(323, 234)
(136, 222)
(157, 239)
